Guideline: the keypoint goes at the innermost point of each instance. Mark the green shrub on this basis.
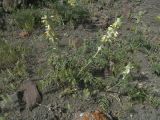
(12, 66)
(65, 69)
(8, 55)
(74, 67)
(137, 94)
(27, 19)
(156, 69)
(76, 14)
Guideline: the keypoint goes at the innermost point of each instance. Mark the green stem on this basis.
(89, 61)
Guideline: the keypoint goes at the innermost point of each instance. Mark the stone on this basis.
(96, 115)
(31, 94)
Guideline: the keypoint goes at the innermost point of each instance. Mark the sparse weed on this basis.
(154, 101)
(138, 94)
(104, 104)
(156, 69)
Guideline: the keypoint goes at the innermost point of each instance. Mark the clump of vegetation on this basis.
(12, 66)
(27, 19)
(8, 55)
(71, 11)
(104, 104)
(73, 68)
(156, 69)
(63, 12)
(78, 68)
(138, 94)
(154, 101)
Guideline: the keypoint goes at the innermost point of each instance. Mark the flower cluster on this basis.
(72, 2)
(49, 32)
(127, 70)
(111, 32)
